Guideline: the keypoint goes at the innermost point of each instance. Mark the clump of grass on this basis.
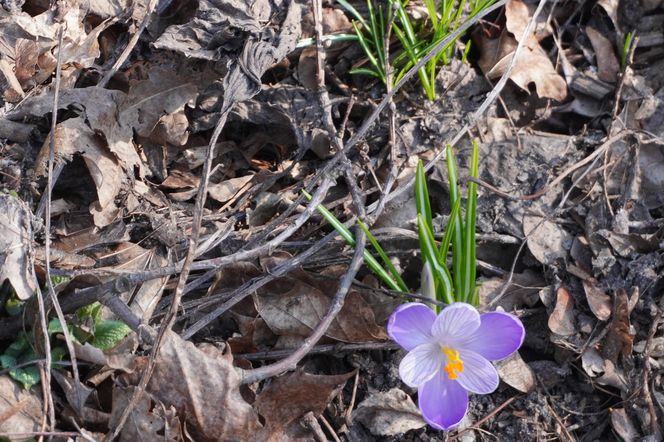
(415, 39)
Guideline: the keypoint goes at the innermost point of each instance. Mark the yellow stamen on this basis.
(454, 363)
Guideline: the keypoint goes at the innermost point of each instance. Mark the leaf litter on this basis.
(569, 224)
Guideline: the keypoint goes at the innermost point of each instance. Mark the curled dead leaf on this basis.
(516, 373)
(291, 396)
(561, 320)
(533, 64)
(16, 253)
(296, 303)
(598, 301)
(388, 413)
(618, 340)
(204, 389)
(547, 241)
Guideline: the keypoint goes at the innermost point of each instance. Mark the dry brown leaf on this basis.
(533, 64)
(388, 413)
(205, 390)
(227, 189)
(291, 396)
(522, 291)
(295, 304)
(561, 320)
(148, 422)
(165, 92)
(72, 137)
(11, 89)
(619, 340)
(623, 426)
(516, 373)
(607, 62)
(100, 108)
(20, 410)
(598, 301)
(16, 253)
(547, 241)
(26, 55)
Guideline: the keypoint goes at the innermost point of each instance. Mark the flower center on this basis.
(454, 363)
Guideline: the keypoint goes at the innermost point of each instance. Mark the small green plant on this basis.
(20, 352)
(89, 328)
(437, 281)
(627, 47)
(415, 39)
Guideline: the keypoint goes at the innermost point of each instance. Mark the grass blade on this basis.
(348, 7)
(386, 259)
(457, 234)
(469, 252)
(449, 229)
(430, 256)
(422, 196)
(347, 235)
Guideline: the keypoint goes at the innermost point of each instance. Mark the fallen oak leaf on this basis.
(16, 253)
(533, 64)
(204, 390)
(388, 413)
(291, 396)
(293, 305)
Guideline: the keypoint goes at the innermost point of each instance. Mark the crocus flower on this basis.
(448, 355)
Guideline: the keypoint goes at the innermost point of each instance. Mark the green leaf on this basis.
(386, 259)
(18, 352)
(109, 333)
(350, 240)
(14, 306)
(422, 196)
(427, 282)
(7, 361)
(470, 265)
(449, 229)
(348, 7)
(457, 234)
(54, 326)
(28, 376)
(430, 256)
(91, 311)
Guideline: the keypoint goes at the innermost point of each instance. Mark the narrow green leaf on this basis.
(457, 234)
(427, 282)
(386, 259)
(347, 235)
(348, 7)
(422, 195)
(449, 230)
(430, 256)
(470, 265)
(365, 71)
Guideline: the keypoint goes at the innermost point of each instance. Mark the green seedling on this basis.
(437, 281)
(627, 47)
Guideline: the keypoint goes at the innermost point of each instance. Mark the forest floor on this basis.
(205, 297)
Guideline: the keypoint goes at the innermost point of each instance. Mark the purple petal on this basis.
(443, 402)
(455, 322)
(410, 325)
(500, 334)
(478, 375)
(421, 364)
